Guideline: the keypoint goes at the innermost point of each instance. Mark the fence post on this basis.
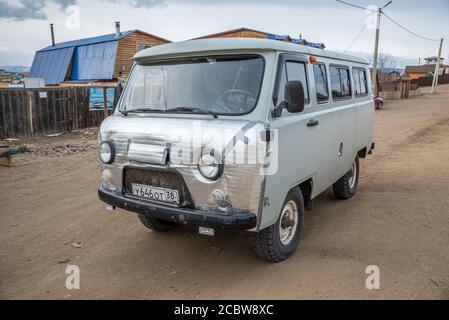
(105, 97)
(30, 103)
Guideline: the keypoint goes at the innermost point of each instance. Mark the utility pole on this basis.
(376, 52)
(376, 47)
(437, 70)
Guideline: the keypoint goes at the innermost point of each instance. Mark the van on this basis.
(236, 134)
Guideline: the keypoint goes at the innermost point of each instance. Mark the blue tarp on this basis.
(52, 65)
(91, 59)
(96, 61)
(276, 36)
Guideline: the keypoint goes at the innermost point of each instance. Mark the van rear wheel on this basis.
(156, 224)
(346, 187)
(278, 242)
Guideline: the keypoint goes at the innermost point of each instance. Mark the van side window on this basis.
(360, 82)
(322, 89)
(340, 83)
(296, 71)
(293, 71)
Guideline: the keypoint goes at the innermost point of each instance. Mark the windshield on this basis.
(220, 85)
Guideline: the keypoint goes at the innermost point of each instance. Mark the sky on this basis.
(24, 24)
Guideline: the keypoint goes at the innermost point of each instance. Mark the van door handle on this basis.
(313, 123)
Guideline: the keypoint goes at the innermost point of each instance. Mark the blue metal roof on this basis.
(52, 65)
(90, 58)
(95, 61)
(88, 41)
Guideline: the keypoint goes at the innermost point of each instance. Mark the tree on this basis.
(385, 61)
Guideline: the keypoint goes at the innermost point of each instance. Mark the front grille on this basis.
(159, 178)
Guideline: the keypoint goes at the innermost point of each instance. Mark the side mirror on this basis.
(294, 96)
(294, 99)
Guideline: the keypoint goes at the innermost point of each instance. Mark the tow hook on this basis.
(109, 208)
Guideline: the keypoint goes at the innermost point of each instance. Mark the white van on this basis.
(236, 134)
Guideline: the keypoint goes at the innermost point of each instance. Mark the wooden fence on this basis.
(37, 112)
(427, 82)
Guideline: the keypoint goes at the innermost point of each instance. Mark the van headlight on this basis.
(107, 152)
(210, 167)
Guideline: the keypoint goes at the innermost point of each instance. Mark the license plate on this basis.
(156, 194)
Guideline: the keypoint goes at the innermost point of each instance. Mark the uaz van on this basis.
(236, 134)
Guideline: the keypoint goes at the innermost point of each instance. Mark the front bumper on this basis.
(238, 220)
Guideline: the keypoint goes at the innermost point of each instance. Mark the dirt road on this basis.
(50, 217)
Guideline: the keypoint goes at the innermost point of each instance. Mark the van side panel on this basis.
(324, 153)
(354, 125)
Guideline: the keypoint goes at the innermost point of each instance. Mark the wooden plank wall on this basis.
(27, 112)
(243, 34)
(128, 46)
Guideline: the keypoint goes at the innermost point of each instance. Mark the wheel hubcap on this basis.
(353, 175)
(288, 222)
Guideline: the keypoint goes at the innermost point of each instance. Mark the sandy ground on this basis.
(50, 216)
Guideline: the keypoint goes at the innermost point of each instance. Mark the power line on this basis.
(389, 18)
(404, 28)
(355, 6)
(358, 35)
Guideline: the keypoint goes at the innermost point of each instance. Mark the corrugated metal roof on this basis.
(93, 58)
(420, 69)
(88, 41)
(52, 65)
(95, 61)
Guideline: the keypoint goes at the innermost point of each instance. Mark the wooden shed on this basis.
(102, 58)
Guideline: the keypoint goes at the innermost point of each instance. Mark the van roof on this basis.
(213, 45)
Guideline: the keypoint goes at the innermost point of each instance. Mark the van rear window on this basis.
(340, 83)
(360, 82)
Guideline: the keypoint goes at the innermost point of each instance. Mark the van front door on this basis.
(302, 140)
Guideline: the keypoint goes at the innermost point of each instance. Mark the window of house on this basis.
(293, 71)
(143, 46)
(360, 82)
(322, 89)
(340, 82)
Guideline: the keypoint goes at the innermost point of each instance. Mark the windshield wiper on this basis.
(193, 109)
(174, 110)
(185, 109)
(141, 110)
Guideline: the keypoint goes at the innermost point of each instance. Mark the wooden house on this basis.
(251, 33)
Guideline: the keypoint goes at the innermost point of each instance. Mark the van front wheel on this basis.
(279, 241)
(346, 187)
(156, 224)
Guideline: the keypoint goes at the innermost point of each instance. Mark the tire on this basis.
(157, 224)
(268, 243)
(346, 187)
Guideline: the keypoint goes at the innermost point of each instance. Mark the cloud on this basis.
(25, 9)
(35, 9)
(141, 3)
(65, 3)
(29, 9)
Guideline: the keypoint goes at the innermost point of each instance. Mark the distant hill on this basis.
(401, 62)
(15, 69)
